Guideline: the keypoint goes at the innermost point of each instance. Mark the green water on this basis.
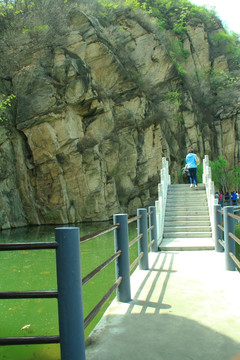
(36, 270)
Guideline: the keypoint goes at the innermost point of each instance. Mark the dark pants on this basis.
(193, 176)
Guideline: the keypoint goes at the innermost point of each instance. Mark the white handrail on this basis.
(207, 180)
(160, 204)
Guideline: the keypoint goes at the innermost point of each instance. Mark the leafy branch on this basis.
(5, 103)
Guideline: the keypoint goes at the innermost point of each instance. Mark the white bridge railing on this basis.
(162, 198)
(207, 180)
(163, 189)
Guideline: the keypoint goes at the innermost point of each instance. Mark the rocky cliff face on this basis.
(97, 109)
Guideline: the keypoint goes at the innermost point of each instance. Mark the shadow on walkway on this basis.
(166, 319)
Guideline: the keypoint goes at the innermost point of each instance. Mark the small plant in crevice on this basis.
(178, 117)
(174, 97)
(5, 104)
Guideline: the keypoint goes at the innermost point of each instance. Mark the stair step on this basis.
(187, 189)
(194, 200)
(189, 192)
(184, 207)
(169, 229)
(186, 212)
(168, 223)
(186, 196)
(201, 186)
(186, 244)
(193, 234)
(187, 223)
(187, 200)
(170, 217)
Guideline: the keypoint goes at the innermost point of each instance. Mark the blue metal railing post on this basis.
(217, 231)
(121, 240)
(143, 242)
(228, 241)
(70, 304)
(153, 222)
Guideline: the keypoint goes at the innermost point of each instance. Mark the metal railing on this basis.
(68, 295)
(28, 295)
(224, 235)
(70, 282)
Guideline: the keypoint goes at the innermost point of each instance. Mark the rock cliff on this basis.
(98, 107)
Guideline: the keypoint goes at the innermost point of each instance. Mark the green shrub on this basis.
(227, 44)
(5, 103)
(199, 173)
(178, 55)
(173, 96)
(221, 80)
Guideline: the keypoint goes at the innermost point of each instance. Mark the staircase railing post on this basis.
(207, 160)
(165, 180)
(121, 241)
(159, 190)
(158, 214)
(70, 303)
(153, 232)
(211, 210)
(143, 242)
(217, 232)
(204, 172)
(228, 241)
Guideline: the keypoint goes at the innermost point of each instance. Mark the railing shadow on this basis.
(157, 276)
(148, 328)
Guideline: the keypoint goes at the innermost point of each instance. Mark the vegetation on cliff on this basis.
(44, 19)
(103, 90)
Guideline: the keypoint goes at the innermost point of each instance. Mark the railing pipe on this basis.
(143, 243)
(70, 304)
(217, 233)
(220, 233)
(121, 242)
(229, 243)
(153, 233)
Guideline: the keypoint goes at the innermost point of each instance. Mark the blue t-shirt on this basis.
(191, 160)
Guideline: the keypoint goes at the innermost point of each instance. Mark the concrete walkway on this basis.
(187, 306)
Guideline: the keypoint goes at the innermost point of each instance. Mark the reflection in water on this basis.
(45, 233)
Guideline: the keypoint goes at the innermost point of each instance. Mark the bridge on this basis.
(181, 302)
(186, 304)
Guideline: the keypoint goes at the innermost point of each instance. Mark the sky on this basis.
(227, 10)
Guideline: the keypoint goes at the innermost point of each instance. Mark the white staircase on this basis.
(187, 221)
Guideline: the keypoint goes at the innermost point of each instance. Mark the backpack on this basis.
(198, 161)
(185, 171)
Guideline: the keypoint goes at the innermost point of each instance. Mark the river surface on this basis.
(36, 270)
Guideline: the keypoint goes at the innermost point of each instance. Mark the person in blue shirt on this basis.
(234, 197)
(192, 160)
